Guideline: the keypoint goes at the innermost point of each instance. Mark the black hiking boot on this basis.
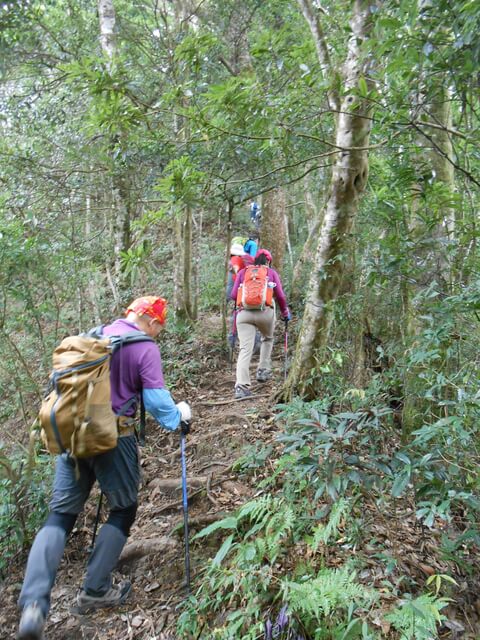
(242, 391)
(264, 375)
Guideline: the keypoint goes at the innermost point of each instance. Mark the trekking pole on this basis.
(95, 526)
(185, 427)
(286, 350)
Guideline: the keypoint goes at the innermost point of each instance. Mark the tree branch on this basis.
(322, 50)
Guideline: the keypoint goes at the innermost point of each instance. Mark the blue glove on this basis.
(287, 317)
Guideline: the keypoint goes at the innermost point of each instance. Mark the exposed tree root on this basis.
(141, 548)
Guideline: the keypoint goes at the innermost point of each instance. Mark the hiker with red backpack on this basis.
(239, 259)
(135, 374)
(256, 290)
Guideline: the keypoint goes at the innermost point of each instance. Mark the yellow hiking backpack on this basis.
(76, 415)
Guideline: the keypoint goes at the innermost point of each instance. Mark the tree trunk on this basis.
(311, 16)
(107, 18)
(434, 126)
(184, 306)
(348, 181)
(179, 305)
(227, 259)
(237, 39)
(187, 262)
(93, 280)
(303, 263)
(120, 185)
(196, 262)
(273, 235)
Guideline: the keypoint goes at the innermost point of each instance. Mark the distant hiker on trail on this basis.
(135, 370)
(255, 290)
(251, 245)
(239, 259)
(254, 211)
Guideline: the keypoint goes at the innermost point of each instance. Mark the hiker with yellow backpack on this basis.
(114, 384)
(256, 289)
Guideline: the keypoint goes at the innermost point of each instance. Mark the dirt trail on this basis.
(154, 557)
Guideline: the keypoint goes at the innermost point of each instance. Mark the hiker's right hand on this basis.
(185, 411)
(185, 428)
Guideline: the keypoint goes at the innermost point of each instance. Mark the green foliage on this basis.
(417, 618)
(438, 579)
(211, 267)
(254, 457)
(24, 489)
(239, 579)
(132, 261)
(324, 532)
(182, 182)
(322, 596)
(318, 450)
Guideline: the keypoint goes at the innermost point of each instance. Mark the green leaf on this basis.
(400, 484)
(362, 85)
(222, 552)
(401, 456)
(226, 523)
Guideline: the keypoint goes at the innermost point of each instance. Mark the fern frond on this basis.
(330, 590)
(417, 618)
(324, 532)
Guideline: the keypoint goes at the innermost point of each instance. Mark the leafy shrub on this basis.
(24, 487)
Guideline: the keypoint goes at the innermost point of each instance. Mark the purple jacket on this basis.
(278, 293)
(133, 367)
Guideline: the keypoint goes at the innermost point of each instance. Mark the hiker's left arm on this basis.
(159, 404)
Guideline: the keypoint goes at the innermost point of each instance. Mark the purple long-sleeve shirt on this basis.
(278, 293)
(133, 367)
(137, 368)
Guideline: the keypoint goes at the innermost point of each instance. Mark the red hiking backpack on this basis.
(254, 292)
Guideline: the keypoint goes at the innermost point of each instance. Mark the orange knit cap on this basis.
(151, 306)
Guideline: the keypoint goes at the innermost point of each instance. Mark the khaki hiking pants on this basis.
(247, 324)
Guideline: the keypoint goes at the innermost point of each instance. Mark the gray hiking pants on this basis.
(118, 473)
(247, 324)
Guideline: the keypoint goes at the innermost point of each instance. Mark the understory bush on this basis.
(273, 575)
(24, 490)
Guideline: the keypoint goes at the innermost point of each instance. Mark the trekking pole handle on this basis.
(185, 427)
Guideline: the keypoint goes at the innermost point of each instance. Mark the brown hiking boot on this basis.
(115, 596)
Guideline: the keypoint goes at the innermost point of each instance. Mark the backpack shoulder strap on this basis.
(117, 342)
(96, 332)
(129, 338)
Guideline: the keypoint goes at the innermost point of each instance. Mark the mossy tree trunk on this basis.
(348, 181)
(433, 230)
